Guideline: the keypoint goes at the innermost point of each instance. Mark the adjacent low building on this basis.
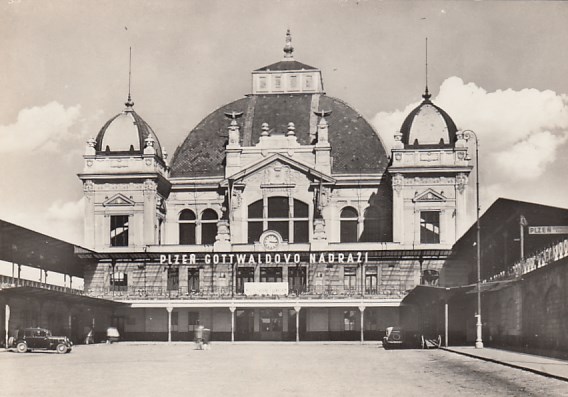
(524, 279)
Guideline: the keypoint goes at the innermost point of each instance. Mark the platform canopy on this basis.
(48, 295)
(29, 248)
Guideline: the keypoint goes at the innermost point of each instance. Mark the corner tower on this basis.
(429, 173)
(125, 184)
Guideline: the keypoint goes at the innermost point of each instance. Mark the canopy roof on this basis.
(26, 247)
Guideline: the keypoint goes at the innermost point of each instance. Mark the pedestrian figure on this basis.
(199, 337)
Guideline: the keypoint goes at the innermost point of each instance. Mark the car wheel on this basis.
(61, 348)
(22, 347)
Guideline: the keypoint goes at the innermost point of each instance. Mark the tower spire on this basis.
(426, 93)
(129, 102)
(288, 49)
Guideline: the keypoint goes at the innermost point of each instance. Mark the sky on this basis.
(498, 68)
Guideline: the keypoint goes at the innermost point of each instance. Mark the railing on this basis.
(546, 256)
(11, 282)
(221, 293)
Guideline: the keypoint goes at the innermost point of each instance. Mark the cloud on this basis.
(39, 128)
(67, 211)
(520, 131)
(62, 220)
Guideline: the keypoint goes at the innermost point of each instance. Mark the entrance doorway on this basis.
(244, 324)
(270, 324)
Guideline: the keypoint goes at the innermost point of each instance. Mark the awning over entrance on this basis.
(26, 247)
(427, 294)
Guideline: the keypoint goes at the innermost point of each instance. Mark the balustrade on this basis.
(12, 282)
(225, 293)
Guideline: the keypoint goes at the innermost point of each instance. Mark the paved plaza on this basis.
(262, 369)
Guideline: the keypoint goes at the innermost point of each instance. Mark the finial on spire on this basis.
(426, 95)
(129, 102)
(288, 49)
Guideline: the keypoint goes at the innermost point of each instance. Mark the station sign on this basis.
(264, 258)
(548, 229)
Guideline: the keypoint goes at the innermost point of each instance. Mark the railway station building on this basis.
(281, 216)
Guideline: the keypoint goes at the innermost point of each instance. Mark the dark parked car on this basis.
(398, 337)
(39, 338)
(393, 338)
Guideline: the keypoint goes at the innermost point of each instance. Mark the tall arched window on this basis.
(287, 216)
(209, 220)
(348, 225)
(187, 227)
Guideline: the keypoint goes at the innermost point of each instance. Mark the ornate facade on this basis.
(280, 216)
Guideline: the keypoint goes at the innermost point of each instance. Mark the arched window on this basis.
(208, 226)
(348, 225)
(287, 216)
(187, 227)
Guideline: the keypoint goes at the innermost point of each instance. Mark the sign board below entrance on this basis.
(548, 229)
(280, 288)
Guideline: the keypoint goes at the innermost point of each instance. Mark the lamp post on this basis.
(478, 340)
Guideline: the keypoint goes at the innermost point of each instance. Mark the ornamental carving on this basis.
(325, 196)
(278, 174)
(461, 181)
(150, 186)
(236, 199)
(397, 182)
(88, 186)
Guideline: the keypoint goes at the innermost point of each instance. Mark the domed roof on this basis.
(126, 133)
(355, 145)
(428, 126)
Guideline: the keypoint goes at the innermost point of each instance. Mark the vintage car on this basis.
(39, 338)
(393, 338)
(397, 337)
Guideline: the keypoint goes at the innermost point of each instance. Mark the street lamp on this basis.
(467, 134)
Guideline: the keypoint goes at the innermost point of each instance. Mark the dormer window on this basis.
(293, 82)
(262, 83)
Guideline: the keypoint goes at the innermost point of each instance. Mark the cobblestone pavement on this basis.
(262, 369)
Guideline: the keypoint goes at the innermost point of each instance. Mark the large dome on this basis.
(428, 125)
(126, 133)
(355, 145)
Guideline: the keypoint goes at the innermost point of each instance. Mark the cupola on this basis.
(287, 76)
(126, 134)
(428, 126)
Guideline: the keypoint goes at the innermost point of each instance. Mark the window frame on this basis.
(120, 239)
(350, 278)
(347, 221)
(207, 224)
(190, 224)
(269, 222)
(193, 279)
(424, 232)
